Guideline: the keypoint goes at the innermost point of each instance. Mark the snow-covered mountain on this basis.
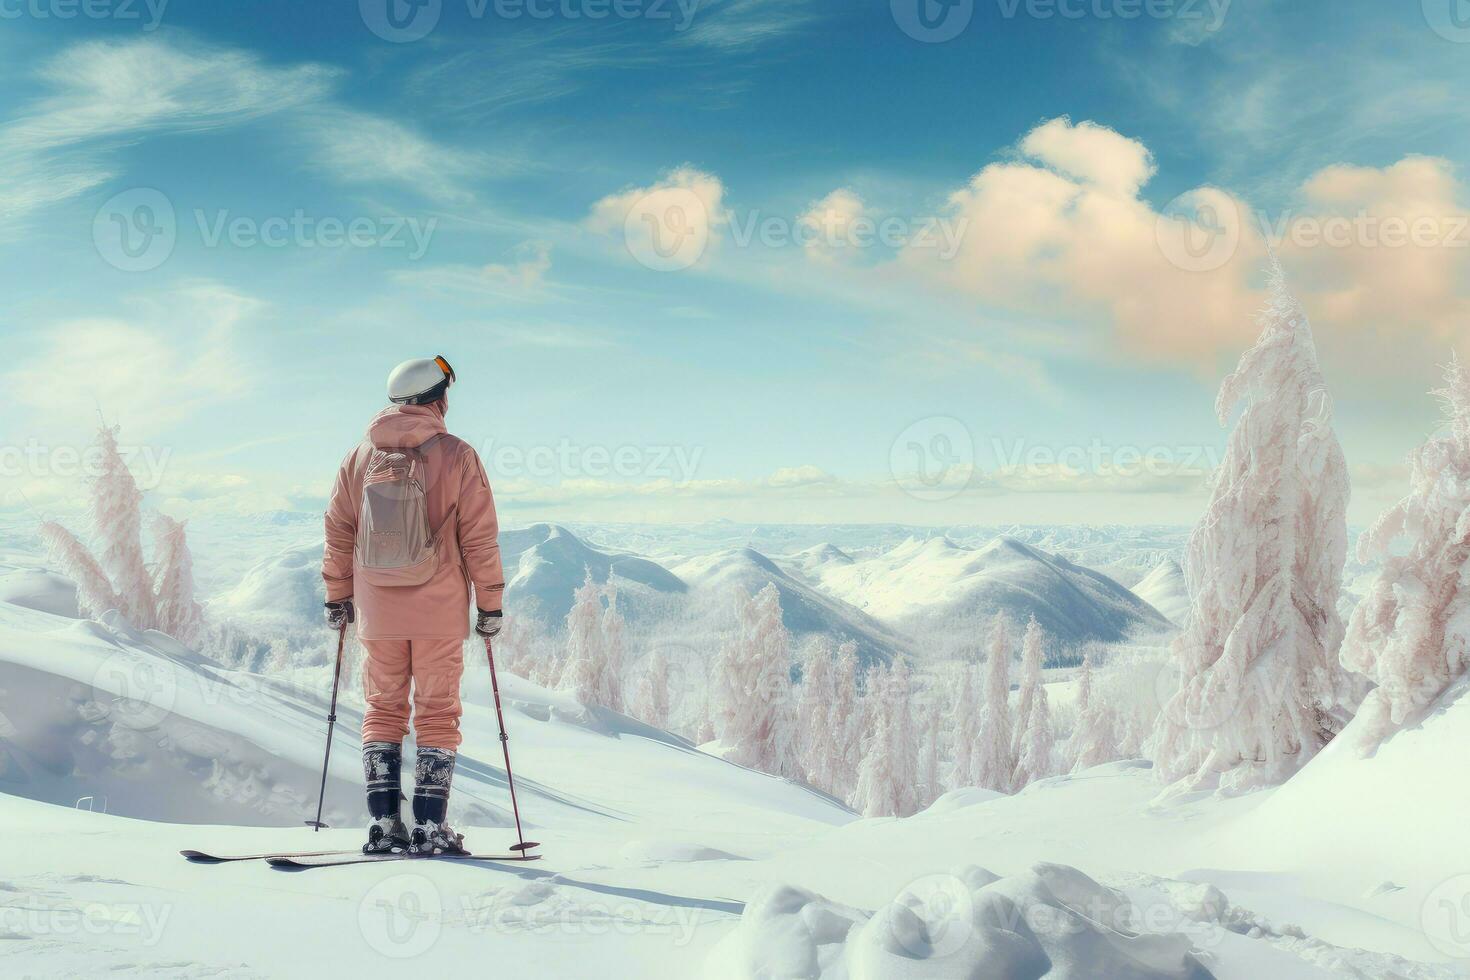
(804, 610)
(924, 586)
(1164, 589)
(545, 565)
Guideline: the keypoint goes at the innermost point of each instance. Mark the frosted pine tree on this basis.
(117, 522)
(1032, 654)
(995, 765)
(931, 783)
(95, 595)
(1411, 634)
(899, 694)
(877, 791)
(612, 651)
(1038, 741)
(964, 721)
(651, 704)
(820, 750)
(845, 718)
(179, 614)
(1260, 679)
(585, 661)
(758, 721)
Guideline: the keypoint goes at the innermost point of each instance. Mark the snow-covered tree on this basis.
(613, 629)
(117, 522)
(995, 764)
(95, 594)
(652, 702)
(1094, 737)
(753, 681)
(844, 715)
(1038, 741)
(887, 775)
(899, 695)
(1261, 689)
(1411, 634)
(964, 721)
(820, 749)
(594, 660)
(119, 578)
(179, 614)
(1033, 653)
(931, 782)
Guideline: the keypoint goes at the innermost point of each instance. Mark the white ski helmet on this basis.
(420, 382)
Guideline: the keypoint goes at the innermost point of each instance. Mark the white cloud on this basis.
(1091, 153)
(830, 224)
(741, 25)
(671, 224)
(359, 148)
(147, 373)
(104, 93)
(524, 277)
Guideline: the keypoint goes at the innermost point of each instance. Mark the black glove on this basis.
(487, 624)
(339, 614)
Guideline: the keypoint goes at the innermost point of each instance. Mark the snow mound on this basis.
(1165, 590)
(958, 799)
(672, 852)
(934, 583)
(1052, 921)
(40, 590)
(283, 590)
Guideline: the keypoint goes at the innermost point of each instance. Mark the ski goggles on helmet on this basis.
(445, 366)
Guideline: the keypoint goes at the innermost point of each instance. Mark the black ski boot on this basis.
(433, 775)
(387, 835)
(382, 764)
(436, 838)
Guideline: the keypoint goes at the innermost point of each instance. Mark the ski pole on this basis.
(510, 781)
(321, 798)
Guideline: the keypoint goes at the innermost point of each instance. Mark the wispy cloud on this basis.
(740, 25)
(106, 94)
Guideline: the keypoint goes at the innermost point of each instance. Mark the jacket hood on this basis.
(406, 426)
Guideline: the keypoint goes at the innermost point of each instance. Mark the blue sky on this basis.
(1022, 333)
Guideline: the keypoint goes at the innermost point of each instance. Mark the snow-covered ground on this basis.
(660, 859)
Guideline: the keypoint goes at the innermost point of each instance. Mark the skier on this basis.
(410, 527)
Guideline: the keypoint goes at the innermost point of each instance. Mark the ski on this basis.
(205, 857)
(295, 862)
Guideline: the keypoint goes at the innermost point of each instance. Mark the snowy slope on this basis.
(1164, 589)
(930, 584)
(804, 610)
